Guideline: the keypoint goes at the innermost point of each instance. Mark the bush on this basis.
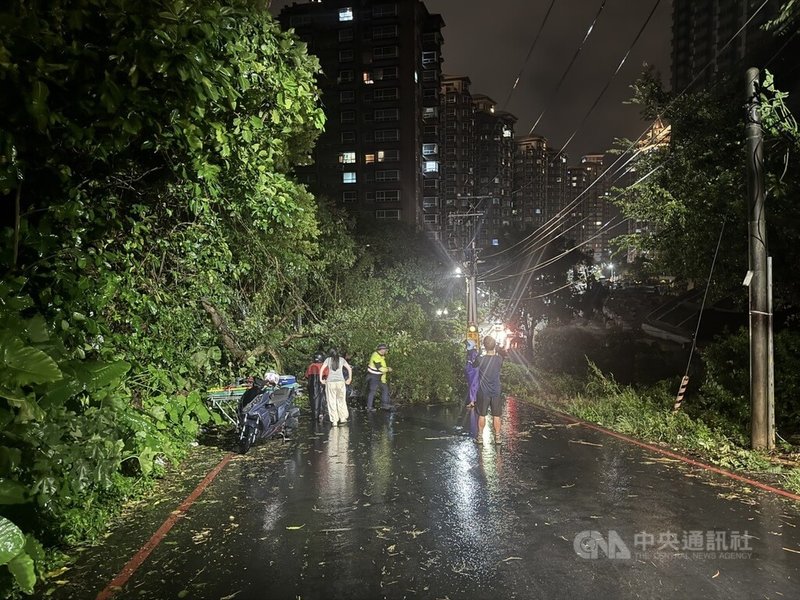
(725, 391)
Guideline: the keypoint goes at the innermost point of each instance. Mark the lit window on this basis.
(431, 166)
(367, 77)
(369, 158)
(506, 132)
(429, 148)
(348, 177)
(347, 157)
(346, 14)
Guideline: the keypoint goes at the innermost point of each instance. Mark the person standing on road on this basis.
(316, 393)
(489, 391)
(472, 376)
(335, 375)
(471, 373)
(376, 377)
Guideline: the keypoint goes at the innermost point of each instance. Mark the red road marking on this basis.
(134, 563)
(680, 457)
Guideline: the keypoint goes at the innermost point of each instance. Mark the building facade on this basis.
(380, 83)
(531, 182)
(701, 32)
(458, 162)
(494, 164)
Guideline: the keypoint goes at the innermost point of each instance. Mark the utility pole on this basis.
(471, 266)
(757, 276)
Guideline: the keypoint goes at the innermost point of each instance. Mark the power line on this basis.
(530, 52)
(613, 75)
(561, 214)
(569, 67)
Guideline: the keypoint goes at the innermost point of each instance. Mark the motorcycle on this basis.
(266, 409)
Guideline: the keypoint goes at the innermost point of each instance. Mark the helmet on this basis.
(382, 347)
(319, 357)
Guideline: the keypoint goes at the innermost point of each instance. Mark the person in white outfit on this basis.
(336, 374)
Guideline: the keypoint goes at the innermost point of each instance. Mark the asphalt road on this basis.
(404, 506)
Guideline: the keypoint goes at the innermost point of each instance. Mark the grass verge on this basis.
(646, 414)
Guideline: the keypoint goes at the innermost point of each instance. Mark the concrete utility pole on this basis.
(757, 276)
(472, 216)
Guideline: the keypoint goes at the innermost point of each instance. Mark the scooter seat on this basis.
(280, 396)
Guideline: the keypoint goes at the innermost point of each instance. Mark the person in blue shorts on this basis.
(490, 395)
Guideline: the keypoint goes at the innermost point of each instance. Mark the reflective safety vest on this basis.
(377, 365)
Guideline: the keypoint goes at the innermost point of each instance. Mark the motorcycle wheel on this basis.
(247, 439)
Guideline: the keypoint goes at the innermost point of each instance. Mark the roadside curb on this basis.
(671, 454)
(138, 559)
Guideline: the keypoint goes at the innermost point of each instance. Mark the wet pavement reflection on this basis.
(405, 505)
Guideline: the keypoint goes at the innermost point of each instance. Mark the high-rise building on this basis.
(556, 189)
(458, 160)
(530, 182)
(494, 164)
(381, 63)
(705, 43)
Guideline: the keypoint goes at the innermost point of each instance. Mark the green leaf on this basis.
(59, 392)
(22, 568)
(13, 492)
(37, 329)
(26, 365)
(10, 458)
(12, 540)
(98, 375)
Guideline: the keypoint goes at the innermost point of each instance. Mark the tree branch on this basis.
(231, 345)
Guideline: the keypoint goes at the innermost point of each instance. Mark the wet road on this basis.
(403, 506)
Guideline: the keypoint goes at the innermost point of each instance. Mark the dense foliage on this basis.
(698, 184)
(155, 243)
(144, 151)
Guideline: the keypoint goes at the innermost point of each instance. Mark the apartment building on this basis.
(381, 77)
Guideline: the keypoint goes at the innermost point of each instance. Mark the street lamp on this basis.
(611, 267)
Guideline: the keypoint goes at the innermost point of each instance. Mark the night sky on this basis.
(488, 40)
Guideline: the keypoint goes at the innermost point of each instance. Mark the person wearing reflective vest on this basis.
(376, 376)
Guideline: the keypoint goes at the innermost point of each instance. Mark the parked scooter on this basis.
(266, 409)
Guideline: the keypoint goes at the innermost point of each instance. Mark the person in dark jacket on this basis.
(316, 393)
(489, 390)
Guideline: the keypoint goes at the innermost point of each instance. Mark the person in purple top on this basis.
(471, 374)
(489, 392)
